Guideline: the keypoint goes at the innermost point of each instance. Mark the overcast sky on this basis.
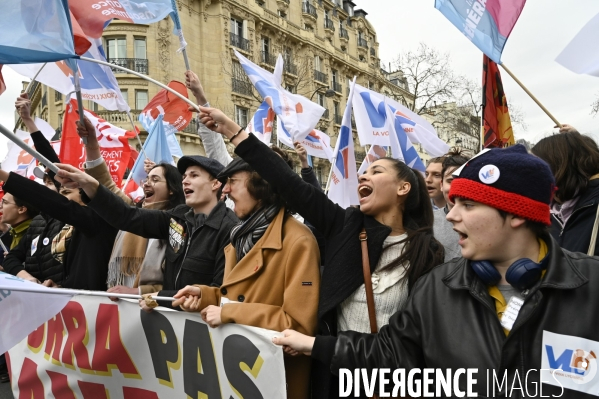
(543, 30)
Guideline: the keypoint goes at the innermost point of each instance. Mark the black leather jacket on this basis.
(450, 321)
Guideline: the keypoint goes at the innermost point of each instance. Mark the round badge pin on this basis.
(46, 241)
(488, 174)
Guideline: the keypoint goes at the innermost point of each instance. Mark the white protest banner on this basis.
(95, 348)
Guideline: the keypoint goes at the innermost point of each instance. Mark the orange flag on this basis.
(497, 128)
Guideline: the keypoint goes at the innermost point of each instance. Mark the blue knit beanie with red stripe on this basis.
(509, 179)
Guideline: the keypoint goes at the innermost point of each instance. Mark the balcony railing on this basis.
(343, 33)
(268, 58)
(320, 77)
(32, 87)
(192, 127)
(118, 116)
(362, 42)
(139, 65)
(309, 9)
(328, 24)
(372, 52)
(338, 119)
(290, 67)
(241, 86)
(337, 87)
(239, 42)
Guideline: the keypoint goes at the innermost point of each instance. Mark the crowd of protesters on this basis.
(247, 240)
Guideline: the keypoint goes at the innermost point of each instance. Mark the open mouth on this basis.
(430, 188)
(461, 235)
(148, 193)
(364, 191)
(187, 191)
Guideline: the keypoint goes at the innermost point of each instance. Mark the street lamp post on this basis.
(328, 93)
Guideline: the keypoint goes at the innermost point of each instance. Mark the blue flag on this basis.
(36, 31)
(155, 148)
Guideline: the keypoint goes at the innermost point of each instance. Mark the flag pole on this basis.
(35, 77)
(531, 95)
(136, 135)
(176, 93)
(12, 137)
(67, 291)
(79, 100)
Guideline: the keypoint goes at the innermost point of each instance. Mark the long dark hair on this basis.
(422, 250)
(173, 184)
(573, 159)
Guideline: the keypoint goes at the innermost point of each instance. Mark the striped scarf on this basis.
(247, 233)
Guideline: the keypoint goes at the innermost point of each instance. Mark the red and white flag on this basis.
(113, 141)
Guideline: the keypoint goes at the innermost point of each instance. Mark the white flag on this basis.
(579, 55)
(22, 312)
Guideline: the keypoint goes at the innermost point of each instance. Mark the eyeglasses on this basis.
(152, 182)
(231, 180)
(5, 202)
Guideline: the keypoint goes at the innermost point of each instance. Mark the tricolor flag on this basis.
(317, 143)
(497, 128)
(98, 83)
(373, 127)
(175, 113)
(94, 15)
(487, 23)
(35, 31)
(343, 188)
(298, 114)
(20, 161)
(262, 123)
(409, 153)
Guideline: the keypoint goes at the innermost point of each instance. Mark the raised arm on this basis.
(213, 142)
(326, 216)
(51, 203)
(142, 222)
(41, 144)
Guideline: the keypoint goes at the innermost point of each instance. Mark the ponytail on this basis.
(422, 251)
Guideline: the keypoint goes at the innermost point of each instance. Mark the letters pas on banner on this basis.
(95, 348)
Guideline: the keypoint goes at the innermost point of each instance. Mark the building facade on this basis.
(325, 43)
(456, 125)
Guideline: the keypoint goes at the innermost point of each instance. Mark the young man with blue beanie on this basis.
(511, 309)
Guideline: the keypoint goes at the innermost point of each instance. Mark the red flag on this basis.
(82, 44)
(2, 85)
(497, 130)
(174, 110)
(113, 141)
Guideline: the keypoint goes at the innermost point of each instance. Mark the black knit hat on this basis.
(211, 165)
(509, 179)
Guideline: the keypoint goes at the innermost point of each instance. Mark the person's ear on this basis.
(216, 184)
(403, 188)
(516, 221)
(22, 210)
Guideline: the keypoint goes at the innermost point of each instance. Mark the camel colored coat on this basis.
(276, 284)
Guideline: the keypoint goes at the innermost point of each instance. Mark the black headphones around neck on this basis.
(521, 274)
